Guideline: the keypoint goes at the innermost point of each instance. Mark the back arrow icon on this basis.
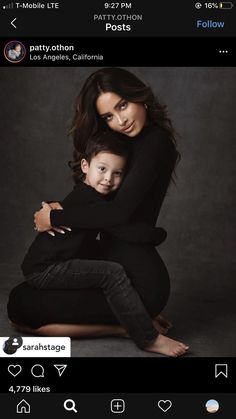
(12, 22)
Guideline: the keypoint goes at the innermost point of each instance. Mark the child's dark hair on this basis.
(103, 142)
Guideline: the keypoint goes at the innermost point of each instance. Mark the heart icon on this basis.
(14, 369)
(164, 405)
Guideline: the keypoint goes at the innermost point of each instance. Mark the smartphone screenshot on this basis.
(117, 270)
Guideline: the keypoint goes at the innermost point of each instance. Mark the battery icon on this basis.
(226, 5)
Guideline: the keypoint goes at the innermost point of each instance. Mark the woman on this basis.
(115, 99)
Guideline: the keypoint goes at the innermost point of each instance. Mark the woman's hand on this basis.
(42, 219)
(61, 230)
(55, 205)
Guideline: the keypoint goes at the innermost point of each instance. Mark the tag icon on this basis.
(14, 369)
(164, 405)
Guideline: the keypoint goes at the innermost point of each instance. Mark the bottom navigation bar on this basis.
(131, 406)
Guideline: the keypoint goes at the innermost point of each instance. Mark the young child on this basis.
(55, 262)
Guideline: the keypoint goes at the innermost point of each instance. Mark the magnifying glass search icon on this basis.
(69, 405)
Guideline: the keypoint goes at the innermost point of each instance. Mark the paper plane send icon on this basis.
(60, 368)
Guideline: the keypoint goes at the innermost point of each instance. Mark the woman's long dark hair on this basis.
(86, 121)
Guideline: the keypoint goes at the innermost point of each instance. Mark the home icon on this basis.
(23, 407)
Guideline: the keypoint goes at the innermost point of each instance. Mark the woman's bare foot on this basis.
(166, 346)
(164, 322)
(162, 325)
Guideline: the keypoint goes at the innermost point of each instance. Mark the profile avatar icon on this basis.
(14, 51)
(12, 344)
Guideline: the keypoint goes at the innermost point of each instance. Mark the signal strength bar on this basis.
(9, 6)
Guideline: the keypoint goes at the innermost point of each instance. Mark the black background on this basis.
(139, 52)
(75, 18)
(127, 375)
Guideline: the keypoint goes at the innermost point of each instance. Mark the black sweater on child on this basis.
(47, 250)
(139, 199)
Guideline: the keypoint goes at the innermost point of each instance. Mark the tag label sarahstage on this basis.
(17, 346)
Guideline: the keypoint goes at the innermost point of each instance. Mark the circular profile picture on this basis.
(11, 345)
(212, 406)
(14, 52)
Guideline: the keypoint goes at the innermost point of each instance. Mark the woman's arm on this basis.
(155, 158)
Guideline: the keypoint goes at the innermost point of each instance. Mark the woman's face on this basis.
(125, 117)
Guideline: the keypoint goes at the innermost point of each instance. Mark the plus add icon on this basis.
(117, 406)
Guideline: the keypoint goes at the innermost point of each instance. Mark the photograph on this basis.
(118, 202)
(14, 52)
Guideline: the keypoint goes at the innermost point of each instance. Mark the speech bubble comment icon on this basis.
(37, 371)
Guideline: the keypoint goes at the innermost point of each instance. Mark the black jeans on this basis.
(122, 297)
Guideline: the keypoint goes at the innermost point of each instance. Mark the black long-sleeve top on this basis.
(141, 194)
(47, 250)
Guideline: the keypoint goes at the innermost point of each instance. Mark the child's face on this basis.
(18, 48)
(105, 172)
